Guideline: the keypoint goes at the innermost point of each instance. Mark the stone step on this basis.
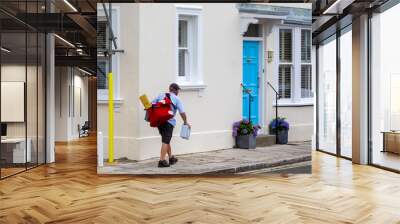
(265, 140)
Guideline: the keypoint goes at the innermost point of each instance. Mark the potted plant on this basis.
(281, 127)
(245, 134)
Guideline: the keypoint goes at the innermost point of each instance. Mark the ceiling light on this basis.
(5, 50)
(70, 5)
(84, 71)
(64, 40)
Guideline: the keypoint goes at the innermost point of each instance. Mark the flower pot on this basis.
(246, 141)
(283, 137)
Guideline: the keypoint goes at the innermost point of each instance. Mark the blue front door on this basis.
(250, 80)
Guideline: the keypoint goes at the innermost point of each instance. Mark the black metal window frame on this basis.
(339, 32)
(389, 4)
(44, 80)
(370, 90)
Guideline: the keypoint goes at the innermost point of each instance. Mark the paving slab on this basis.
(226, 161)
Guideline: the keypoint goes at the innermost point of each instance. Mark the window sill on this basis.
(191, 87)
(117, 101)
(304, 103)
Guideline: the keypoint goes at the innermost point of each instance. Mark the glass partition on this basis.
(41, 112)
(22, 101)
(32, 98)
(385, 90)
(346, 92)
(13, 91)
(327, 95)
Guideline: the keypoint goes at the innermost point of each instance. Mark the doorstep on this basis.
(226, 161)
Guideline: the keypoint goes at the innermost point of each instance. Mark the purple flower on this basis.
(244, 127)
(285, 125)
(236, 124)
(279, 124)
(245, 121)
(234, 132)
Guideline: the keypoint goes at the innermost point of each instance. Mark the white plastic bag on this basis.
(185, 132)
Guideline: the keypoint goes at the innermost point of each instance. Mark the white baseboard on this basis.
(149, 146)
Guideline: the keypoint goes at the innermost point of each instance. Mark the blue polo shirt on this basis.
(176, 101)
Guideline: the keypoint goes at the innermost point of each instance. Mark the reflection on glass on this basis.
(327, 96)
(31, 100)
(13, 84)
(41, 99)
(22, 90)
(385, 84)
(346, 94)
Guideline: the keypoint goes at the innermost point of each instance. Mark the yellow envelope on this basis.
(145, 101)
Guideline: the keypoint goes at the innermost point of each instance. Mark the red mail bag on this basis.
(160, 112)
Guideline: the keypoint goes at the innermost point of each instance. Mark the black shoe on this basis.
(163, 163)
(173, 160)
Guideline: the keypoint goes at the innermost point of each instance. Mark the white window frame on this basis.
(193, 15)
(291, 64)
(295, 97)
(306, 63)
(102, 94)
(189, 48)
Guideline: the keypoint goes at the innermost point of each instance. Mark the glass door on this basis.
(327, 96)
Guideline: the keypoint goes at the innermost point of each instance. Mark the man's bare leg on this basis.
(164, 151)
(169, 151)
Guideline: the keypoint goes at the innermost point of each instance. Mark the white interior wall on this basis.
(12, 73)
(61, 104)
(81, 103)
(71, 87)
(33, 127)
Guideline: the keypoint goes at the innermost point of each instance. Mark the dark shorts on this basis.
(166, 130)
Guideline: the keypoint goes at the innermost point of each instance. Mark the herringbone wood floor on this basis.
(69, 191)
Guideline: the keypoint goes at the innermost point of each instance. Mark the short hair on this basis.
(174, 87)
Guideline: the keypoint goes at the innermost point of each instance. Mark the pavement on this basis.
(290, 158)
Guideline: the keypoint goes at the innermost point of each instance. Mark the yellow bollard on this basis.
(110, 118)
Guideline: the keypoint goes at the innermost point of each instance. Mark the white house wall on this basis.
(300, 118)
(211, 111)
(148, 66)
(126, 117)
